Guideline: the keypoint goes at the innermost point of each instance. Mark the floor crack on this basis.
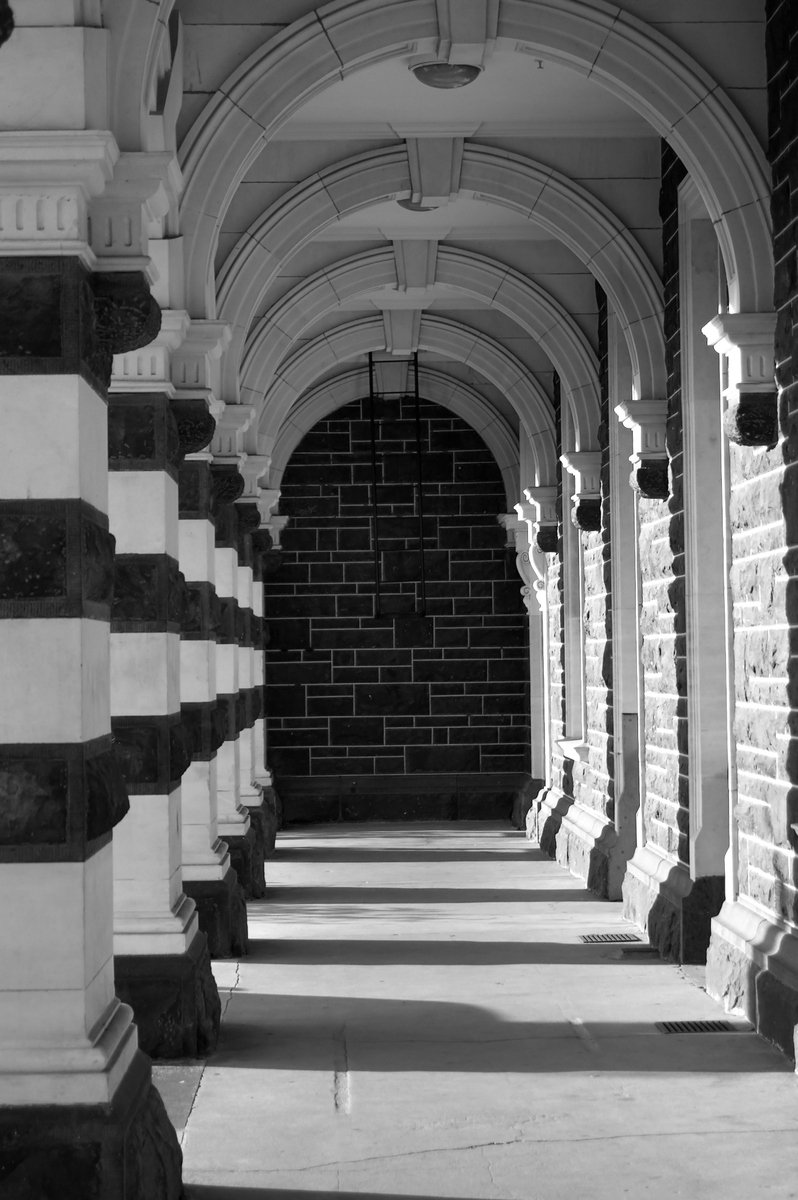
(231, 989)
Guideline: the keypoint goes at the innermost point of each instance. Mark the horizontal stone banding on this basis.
(195, 491)
(142, 434)
(58, 559)
(227, 633)
(206, 727)
(57, 800)
(148, 594)
(154, 752)
(201, 613)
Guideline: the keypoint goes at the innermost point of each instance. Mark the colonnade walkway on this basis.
(419, 1017)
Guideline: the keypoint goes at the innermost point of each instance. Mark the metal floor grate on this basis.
(696, 1027)
(593, 938)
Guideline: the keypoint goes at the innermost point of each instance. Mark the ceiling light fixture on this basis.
(446, 75)
(415, 205)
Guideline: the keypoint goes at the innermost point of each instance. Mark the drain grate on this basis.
(608, 938)
(696, 1027)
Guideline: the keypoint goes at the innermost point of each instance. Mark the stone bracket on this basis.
(402, 330)
(543, 520)
(585, 466)
(647, 419)
(751, 395)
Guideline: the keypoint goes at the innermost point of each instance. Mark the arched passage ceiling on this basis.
(584, 90)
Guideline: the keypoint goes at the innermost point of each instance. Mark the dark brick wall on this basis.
(352, 693)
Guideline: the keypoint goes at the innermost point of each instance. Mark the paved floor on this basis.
(418, 1018)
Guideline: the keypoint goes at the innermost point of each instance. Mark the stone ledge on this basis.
(752, 968)
(127, 1150)
(174, 999)
(587, 845)
(222, 913)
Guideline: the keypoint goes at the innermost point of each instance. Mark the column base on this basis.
(549, 809)
(222, 913)
(247, 858)
(174, 999)
(524, 801)
(125, 1150)
(752, 968)
(674, 910)
(586, 843)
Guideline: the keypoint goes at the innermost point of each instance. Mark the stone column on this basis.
(261, 546)
(235, 825)
(250, 691)
(76, 1101)
(208, 874)
(162, 962)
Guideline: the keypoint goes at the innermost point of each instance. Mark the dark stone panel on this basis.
(149, 595)
(57, 319)
(57, 560)
(444, 670)
(442, 758)
(379, 699)
(143, 434)
(356, 731)
(195, 491)
(153, 752)
(56, 800)
(201, 614)
(174, 999)
(288, 633)
(205, 728)
(127, 1150)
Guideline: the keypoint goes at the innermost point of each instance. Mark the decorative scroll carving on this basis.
(6, 21)
(650, 479)
(195, 425)
(753, 419)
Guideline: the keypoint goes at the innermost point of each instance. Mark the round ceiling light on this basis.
(415, 205)
(446, 75)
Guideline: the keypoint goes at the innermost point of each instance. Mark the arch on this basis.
(637, 63)
(540, 194)
(485, 356)
(459, 397)
(143, 33)
(530, 306)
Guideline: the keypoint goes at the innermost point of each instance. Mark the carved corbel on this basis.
(751, 397)
(196, 363)
(125, 317)
(585, 466)
(195, 425)
(647, 420)
(544, 532)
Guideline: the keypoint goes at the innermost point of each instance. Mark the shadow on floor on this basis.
(321, 1033)
(354, 854)
(338, 899)
(199, 1191)
(364, 952)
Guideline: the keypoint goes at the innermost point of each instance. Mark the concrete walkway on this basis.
(418, 1017)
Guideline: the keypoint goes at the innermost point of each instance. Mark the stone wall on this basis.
(396, 714)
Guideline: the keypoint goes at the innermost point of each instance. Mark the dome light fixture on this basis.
(445, 74)
(415, 205)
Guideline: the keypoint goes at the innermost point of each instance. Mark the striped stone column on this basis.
(249, 690)
(262, 776)
(235, 825)
(162, 961)
(208, 875)
(76, 1101)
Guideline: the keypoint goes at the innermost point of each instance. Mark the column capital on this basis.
(231, 424)
(47, 181)
(540, 513)
(195, 365)
(252, 468)
(647, 419)
(275, 526)
(751, 394)
(268, 498)
(142, 190)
